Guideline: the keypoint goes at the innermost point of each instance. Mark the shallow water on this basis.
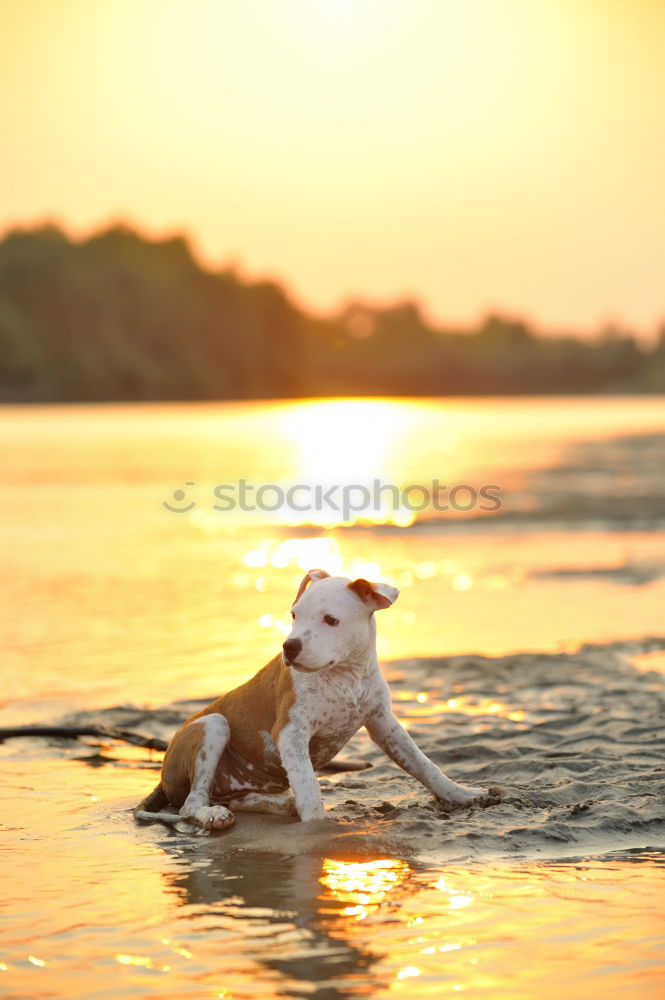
(109, 597)
(129, 912)
(121, 913)
(112, 600)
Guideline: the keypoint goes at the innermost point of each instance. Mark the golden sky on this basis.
(474, 154)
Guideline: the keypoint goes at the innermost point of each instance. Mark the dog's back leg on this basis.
(155, 801)
(189, 769)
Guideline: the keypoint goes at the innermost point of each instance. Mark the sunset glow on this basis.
(480, 155)
(332, 437)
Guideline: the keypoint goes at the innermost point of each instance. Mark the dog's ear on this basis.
(374, 595)
(313, 574)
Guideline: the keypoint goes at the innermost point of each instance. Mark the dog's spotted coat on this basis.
(256, 748)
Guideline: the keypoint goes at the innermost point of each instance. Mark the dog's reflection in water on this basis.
(298, 916)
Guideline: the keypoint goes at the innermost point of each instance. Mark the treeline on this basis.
(120, 317)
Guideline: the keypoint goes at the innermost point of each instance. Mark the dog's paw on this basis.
(462, 795)
(320, 824)
(314, 816)
(212, 817)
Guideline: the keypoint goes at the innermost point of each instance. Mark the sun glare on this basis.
(339, 23)
(346, 441)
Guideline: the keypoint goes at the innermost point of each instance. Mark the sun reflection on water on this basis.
(362, 885)
(429, 706)
(345, 440)
(305, 553)
(360, 442)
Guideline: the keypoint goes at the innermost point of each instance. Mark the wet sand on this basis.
(570, 746)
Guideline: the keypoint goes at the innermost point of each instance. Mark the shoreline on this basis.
(570, 745)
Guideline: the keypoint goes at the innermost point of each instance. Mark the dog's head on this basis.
(333, 620)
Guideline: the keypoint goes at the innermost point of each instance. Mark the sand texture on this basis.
(571, 747)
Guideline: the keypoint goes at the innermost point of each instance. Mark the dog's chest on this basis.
(334, 716)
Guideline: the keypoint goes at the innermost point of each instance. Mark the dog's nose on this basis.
(291, 649)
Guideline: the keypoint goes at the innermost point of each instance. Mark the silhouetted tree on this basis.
(121, 317)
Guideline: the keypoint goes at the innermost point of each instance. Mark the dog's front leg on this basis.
(393, 739)
(293, 746)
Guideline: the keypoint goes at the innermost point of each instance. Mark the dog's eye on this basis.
(293, 615)
(329, 620)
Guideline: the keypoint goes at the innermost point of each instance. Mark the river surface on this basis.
(150, 555)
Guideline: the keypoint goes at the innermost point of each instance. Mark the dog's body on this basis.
(256, 748)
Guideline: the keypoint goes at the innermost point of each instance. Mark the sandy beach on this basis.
(569, 746)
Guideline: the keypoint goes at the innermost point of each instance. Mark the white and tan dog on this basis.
(256, 748)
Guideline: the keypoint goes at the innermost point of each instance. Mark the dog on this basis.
(256, 748)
